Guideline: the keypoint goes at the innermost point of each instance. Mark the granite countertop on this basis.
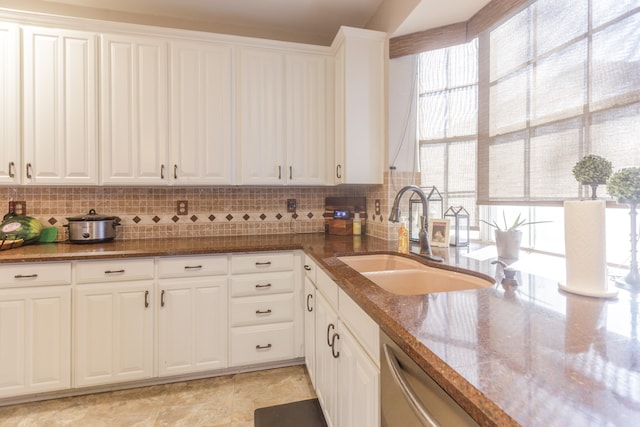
(529, 355)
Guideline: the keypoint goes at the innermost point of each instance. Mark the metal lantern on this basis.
(459, 220)
(435, 205)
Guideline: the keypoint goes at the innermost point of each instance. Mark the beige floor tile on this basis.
(227, 401)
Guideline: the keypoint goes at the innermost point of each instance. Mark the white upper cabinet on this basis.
(10, 161)
(260, 99)
(60, 107)
(360, 125)
(283, 124)
(307, 124)
(134, 110)
(201, 113)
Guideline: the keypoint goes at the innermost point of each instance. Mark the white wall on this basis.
(402, 113)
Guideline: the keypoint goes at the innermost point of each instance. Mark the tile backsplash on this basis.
(148, 212)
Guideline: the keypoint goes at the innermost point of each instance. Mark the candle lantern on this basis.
(459, 220)
(434, 204)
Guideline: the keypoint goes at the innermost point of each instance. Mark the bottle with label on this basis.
(403, 237)
(357, 225)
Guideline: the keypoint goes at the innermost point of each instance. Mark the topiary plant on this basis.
(592, 170)
(625, 184)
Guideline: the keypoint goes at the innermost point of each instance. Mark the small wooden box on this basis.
(340, 227)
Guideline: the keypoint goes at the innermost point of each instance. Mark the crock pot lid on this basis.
(93, 216)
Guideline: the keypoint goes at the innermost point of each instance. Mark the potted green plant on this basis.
(509, 236)
(624, 185)
(592, 170)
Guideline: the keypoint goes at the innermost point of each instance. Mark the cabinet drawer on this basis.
(261, 310)
(35, 274)
(262, 284)
(114, 270)
(260, 344)
(262, 262)
(192, 266)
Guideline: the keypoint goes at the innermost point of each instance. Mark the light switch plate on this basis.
(292, 204)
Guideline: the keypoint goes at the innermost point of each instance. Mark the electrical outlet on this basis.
(292, 204)
(182, 207)
(377, 206)
(20, 207)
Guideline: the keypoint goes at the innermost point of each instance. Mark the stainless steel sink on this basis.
(403, 276)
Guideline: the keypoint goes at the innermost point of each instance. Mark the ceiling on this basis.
(313, 21)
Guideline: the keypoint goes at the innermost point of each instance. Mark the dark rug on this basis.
(306, 413)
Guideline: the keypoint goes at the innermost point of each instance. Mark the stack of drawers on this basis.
(262, 308)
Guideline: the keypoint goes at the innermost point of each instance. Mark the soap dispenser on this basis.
(357, 225)
(403, 237)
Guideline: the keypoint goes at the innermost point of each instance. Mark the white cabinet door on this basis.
(260, 119)
(113, 332)
(310, 329)
(360, 120)
(134, 110)
(10, 161)
(326, 366)
(35, 340)
(60, 107)
(358, 384)
(307, 126)
(201, 114)
(192, 325)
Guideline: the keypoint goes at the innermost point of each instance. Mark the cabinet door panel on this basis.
(35, 333)
(309, 329)
(261, 117)
(134, 110)
(114, 332)
(201, 113)
(60, 106)
(10, 161)
(192, 326)
(306, 107)
(326, 365)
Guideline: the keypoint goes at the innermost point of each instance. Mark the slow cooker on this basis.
(92, 228)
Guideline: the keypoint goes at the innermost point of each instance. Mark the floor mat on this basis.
(306, 413)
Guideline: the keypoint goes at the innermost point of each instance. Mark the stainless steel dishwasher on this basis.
(409, 397)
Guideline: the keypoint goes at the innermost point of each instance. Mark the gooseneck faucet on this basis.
(423, 235)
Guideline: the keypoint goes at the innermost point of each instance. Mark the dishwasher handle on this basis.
(426, 418)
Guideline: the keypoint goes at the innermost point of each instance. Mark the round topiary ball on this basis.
(625, 184)
(592, 169)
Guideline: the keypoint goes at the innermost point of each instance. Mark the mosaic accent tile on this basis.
(263, 217)
(137, 219)
(229, 217)
(212, 217)
(246, 217)
(310, 215)
(278, 216)
(52, 221)
(175, 218)
(194, 218)
(294, 216)
(156, 219)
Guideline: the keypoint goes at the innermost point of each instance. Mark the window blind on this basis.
(558, 80)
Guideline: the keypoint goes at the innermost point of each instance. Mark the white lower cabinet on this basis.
(192, 314)
(113, 320)
(347, 373)
(35, 340)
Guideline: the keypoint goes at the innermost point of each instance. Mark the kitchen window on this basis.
(556, 80)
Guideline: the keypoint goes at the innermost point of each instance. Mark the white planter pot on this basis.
(508, 244)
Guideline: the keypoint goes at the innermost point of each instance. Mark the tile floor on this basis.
(227, 401)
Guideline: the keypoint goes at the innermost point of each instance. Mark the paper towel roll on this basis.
(585, 248)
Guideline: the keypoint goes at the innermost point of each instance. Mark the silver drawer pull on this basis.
(263, 286)
(114, 272)
(258, 312)
(192, 267)
(25, 276)
(263, 347)
(258, 264)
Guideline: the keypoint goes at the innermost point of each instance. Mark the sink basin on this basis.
(404, 276)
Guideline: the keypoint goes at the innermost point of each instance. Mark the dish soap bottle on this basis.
(403, 238)
(357, 225)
